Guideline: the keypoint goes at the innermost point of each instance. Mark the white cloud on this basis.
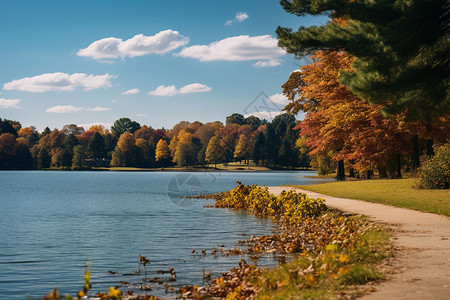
(9, 103)
(171, 90)
(163, 90)
(131, 92)
(265, 115)
(141, 115)
(98, 108)
(63, 109)
(160, 43)
(267, 63)
(279, 99)
(237, 48)
(59, 82)
(240, 17)
(194, 88)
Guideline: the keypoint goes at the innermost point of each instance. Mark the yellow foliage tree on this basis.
(162, 151)
(215, 152)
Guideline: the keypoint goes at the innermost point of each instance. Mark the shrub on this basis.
(435, 172)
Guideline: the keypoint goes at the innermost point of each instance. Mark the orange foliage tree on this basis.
(338, 123)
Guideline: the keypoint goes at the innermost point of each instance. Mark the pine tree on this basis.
(401, 49)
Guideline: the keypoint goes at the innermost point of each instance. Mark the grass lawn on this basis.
(396, 192)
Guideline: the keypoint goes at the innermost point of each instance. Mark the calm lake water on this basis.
(54, 223)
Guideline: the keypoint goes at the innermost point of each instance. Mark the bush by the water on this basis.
(289, 206)
(435, 172)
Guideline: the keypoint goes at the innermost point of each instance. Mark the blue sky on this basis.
(72, 62)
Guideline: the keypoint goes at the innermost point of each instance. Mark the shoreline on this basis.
(421, 265)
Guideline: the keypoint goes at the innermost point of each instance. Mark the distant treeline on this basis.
(128, 144)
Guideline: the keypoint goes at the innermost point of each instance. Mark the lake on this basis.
(55, 223)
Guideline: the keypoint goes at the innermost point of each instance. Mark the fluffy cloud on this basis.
(240, 17)
(63, 109)
(163, 90)
(131, 92)
(171, 90)
(49, 82)
(267, 63)
(279, 99)
(98, 108)
(265, 115)
(160, 43)
(237, 48)
(9, 103)
(194, 88)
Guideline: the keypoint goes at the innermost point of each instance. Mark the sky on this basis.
(155, 62)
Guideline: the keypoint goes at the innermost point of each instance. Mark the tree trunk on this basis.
(340, 176)
(369, 174)
(416, 153)
(399, 166)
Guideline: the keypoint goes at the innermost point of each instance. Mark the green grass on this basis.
(396, 192)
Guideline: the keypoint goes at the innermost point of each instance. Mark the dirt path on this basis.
(421, 268)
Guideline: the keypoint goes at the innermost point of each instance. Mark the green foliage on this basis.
(78, 156)
(235, 119)
(123, 125)
(435, 172)
(401, 50)
(96, 146)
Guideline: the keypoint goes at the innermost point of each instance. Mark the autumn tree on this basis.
(7, 150)
(145, 154)
(162, 152)
(338, 123)
(215, 152)
(244, 148)
(127, 145)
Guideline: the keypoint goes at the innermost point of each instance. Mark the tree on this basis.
(235, 119)
(72, 129)
(215, 152)
(96, 146)
(123, 125)
(162, 152)
(244, 148)
(341, 124)
(7, 150)
(145, 157)
(78, 156)
(127, 146)
(253, 121)
(401, 50)
(6, 126)
(259, 149)
(22, 156)
(99, 128)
